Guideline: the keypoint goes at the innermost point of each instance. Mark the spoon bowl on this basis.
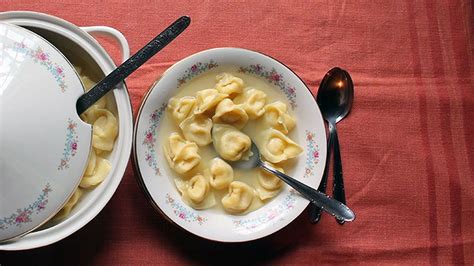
(335, 95)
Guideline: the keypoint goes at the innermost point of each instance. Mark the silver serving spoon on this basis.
(335, 96)
(319, 199)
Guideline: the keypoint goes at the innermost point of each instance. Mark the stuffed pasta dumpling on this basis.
(104, 130)
(239, 198)
(196, 192)
(207, 100)
(276, 146)
(197, 128)
(269, 185)
(229, 113)
(221, 174)
(182, 155)
(229, 84)
(181, 108)
(230, 143)
(276, 116)
(253, 102)
(101, 170)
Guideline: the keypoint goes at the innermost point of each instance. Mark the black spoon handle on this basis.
(338, 187)
(314, 211)
(134, 62)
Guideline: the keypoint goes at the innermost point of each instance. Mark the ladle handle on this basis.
(323, 201)
(134, 62)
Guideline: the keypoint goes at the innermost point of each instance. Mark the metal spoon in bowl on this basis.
(319, 199)
(135, 61)
(335, 96)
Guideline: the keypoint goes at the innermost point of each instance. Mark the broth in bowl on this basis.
(215, 116)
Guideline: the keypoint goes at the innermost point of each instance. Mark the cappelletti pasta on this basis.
(277, 147)
(181, 108)
(230, 143)
(224, 110)
(182, 155)
(229, 113)
(277, 117)
(253, 102)
(104, 133)
(229, 84)
(197, 128)
(196, 192)
(221, 175)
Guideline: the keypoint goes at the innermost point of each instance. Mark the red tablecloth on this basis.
(407, 146)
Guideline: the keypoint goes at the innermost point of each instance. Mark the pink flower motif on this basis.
(148, 157)
(153, 116)
(74, 146)
(316, 154)
(272, 215)
(149, 137)
(308, 171)
(182, 215)
(258, 68)
(194, 68)
(275, 76)
(309, 137)
(291, 90)
(59, 70)
(42, 56)
(22, 217)
(72, 126)
(41, 206)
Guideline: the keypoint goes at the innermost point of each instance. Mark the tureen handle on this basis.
(114, 34)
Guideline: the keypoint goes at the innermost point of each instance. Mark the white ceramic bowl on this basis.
(81, 49)
(214, 224)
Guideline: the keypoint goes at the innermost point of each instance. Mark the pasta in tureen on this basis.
(104, 133)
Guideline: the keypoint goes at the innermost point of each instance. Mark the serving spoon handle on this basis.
(323, 201)
(338, 186)
(126, 68)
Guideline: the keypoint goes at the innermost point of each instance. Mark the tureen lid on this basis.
(44, 145)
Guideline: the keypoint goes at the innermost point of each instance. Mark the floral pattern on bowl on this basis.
(312, 153)
(275, 78)
(183, 212)
(195, 70)
(23, 215)
(149, 140)
(269, 216)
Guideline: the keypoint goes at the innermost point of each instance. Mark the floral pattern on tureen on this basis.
(23, 215)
